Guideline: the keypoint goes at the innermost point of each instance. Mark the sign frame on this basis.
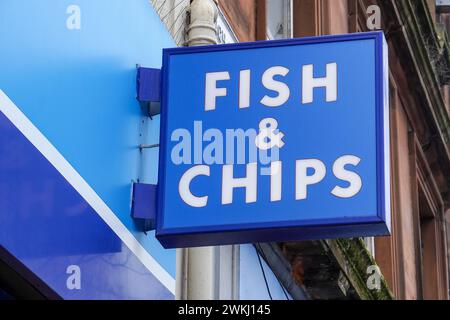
(378, 225)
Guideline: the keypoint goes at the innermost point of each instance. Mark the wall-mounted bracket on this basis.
(148, 87)
(143, 204)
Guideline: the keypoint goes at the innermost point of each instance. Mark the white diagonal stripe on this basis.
(13, 113)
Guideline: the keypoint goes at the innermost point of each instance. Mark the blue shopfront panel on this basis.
(354, 123)
(70, 127)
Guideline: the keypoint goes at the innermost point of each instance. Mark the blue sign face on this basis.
(273, 141)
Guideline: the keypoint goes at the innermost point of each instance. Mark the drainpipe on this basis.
(198, 269)
(202, 28)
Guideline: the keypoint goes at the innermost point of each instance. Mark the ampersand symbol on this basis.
(269, 135)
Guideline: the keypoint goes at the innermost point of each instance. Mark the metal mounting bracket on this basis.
(148, 87)
(143, 204)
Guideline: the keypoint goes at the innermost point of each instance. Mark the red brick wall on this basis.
(241, 14)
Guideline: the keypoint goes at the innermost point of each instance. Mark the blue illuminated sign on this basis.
(274, 141)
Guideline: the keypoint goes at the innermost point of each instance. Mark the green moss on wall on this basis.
(355, 260)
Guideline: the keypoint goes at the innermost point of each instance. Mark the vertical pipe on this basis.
(198, 268)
